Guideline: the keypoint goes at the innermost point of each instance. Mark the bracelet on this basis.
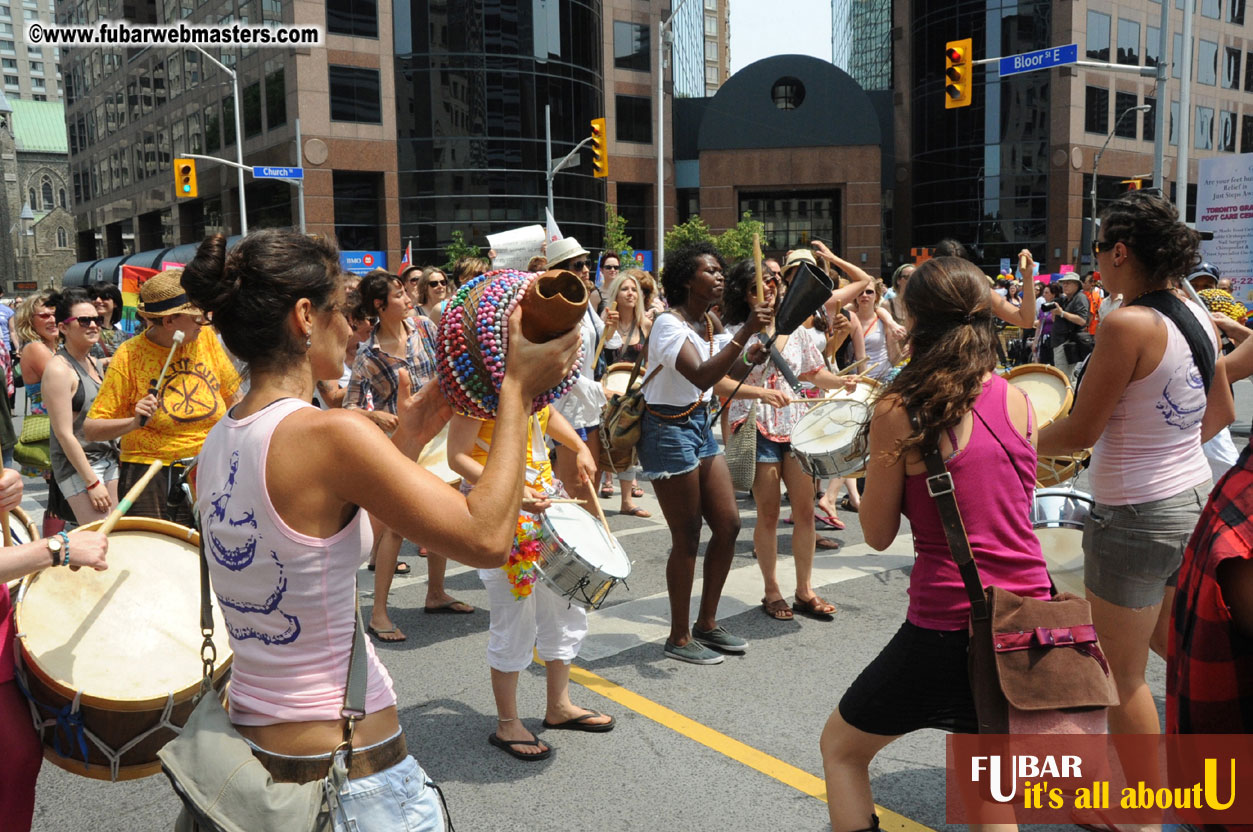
(738, 345)
(744, 358)
(93, 485)
(65, 547)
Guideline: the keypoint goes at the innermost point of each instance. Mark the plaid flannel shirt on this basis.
(376, 374)
(1209, 678)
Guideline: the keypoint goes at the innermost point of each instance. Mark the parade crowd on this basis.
(263, 367)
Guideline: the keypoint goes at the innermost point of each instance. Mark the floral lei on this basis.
(521, 569)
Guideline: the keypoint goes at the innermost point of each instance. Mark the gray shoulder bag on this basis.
(224, 788)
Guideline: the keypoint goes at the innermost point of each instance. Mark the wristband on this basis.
(744, 358)
(93, 485)
(65, 548)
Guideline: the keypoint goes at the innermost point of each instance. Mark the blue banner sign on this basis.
(362, 262)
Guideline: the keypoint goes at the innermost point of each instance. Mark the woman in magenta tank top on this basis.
(985, 430)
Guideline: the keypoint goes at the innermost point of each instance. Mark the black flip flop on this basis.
(507, 746)
(580, 723)
(378, 634)
(402, 568)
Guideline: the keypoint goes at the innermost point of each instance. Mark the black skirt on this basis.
(919, 680)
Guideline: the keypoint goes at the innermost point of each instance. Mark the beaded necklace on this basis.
(709, 336)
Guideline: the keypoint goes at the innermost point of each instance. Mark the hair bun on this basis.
(207, 280)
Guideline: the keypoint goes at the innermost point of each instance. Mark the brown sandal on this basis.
(778, 610)
(815, 608)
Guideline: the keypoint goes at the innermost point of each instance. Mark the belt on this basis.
(308, 769)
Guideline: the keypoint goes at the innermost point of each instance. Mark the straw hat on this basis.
(162, 295)
(561, 250)
(1070, 276)
(800, 255)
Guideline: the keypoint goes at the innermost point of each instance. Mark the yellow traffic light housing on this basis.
(1133, 184)
(958, 73)
(185, 179)
(600, 149)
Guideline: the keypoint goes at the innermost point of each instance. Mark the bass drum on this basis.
(1057, 516)
(22, 530)
(111, 660)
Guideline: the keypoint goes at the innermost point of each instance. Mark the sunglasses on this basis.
(1102, 245)
(868, 292)
(608, 268)
(579, 266)
(87, 320)
(437, 283)
(45, 315)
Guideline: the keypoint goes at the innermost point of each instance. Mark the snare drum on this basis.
(111, 660)
(825, 440)
(1047, 387)
(616, 377)
(434, 458)
(1058, 515)
(578, 559)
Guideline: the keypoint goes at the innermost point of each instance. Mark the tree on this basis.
(616, 237)
(457, 249)
(693, 230)
(737, 243)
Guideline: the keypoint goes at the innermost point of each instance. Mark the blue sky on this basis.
(761, 28)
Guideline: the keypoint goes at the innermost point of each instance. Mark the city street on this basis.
(732, 746)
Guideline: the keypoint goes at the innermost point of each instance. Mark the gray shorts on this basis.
(1132, 553)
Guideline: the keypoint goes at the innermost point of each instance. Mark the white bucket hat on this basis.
(561, 250)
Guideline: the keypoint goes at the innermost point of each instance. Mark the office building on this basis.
(31, 72)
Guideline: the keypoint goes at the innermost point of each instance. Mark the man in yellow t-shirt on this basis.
(200, 384)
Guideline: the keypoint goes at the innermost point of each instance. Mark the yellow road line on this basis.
(785, 773)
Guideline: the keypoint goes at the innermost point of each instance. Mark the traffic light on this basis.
(1133, 184)
(600, 150)
(957, 74)
(185, 179)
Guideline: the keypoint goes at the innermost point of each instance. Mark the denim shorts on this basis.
(1132, 553)
(398, 798)
(770, 451)
(106, 471)
(670, 447)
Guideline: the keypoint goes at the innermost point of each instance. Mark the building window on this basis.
(37, 66)
(1128, 42)
(711, 5)
(45, 191)
(5, 12)
(1207, 63)
(787, 93)
(711, 76)
(61, 195)
(359, 18)
(1227, 131)
(711, 50)
(1152, 46)
(37, 84)
(1096, 110)
(633, 119)
(631, 46)
(1174, 118)
(11, 80)
(7, 46)
(30, 198)
(1203, 127)
(1248, 71)
(711, 26)
(1235, 12)
(1176, 55)
(252, 110)
(275, 99)
(9, 63)
(1212, 9)
(63, 239)
(1125, 127)
(355, 95)
(1231, 68)
(794, 218)
(1246, 134)
(1149, 133)
(1098, 36)
(358, 210)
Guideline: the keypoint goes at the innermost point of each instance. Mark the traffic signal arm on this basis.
(600, 149)
(958, 74)
(185, 179)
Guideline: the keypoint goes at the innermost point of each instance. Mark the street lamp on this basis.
(662, 28)
(1096, 162)
(239, 138)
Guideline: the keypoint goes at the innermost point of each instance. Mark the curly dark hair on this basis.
(681, 265)
(741, 279)
(952, 345)
(1149, 226)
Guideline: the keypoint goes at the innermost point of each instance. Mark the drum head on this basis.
(1063, 550)
(616, 377)
(129, 634)
(830, 425)
(1047, 387)
(434, 458)
(584, 534)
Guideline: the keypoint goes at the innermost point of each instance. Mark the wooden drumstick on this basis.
(761, 290)
(604, 336)
(179, 335)
(1022, 266)
(600, 512)
(8, 535)
(124, 504)
(567, 501)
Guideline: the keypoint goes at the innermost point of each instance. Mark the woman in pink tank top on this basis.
(1144, 407)
(984, 429)
(278, 301)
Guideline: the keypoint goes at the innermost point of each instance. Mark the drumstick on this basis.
(761, 291)
(604, 336)
(1022, 265)
(600, 512)
(8, 535)
(124, 504)
(567, 501)
(852, 367)
(179, 335)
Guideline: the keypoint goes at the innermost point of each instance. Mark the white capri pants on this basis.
(543, 620)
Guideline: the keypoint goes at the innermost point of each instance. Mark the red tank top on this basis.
(994, 478)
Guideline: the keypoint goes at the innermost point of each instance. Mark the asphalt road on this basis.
(731, 746)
